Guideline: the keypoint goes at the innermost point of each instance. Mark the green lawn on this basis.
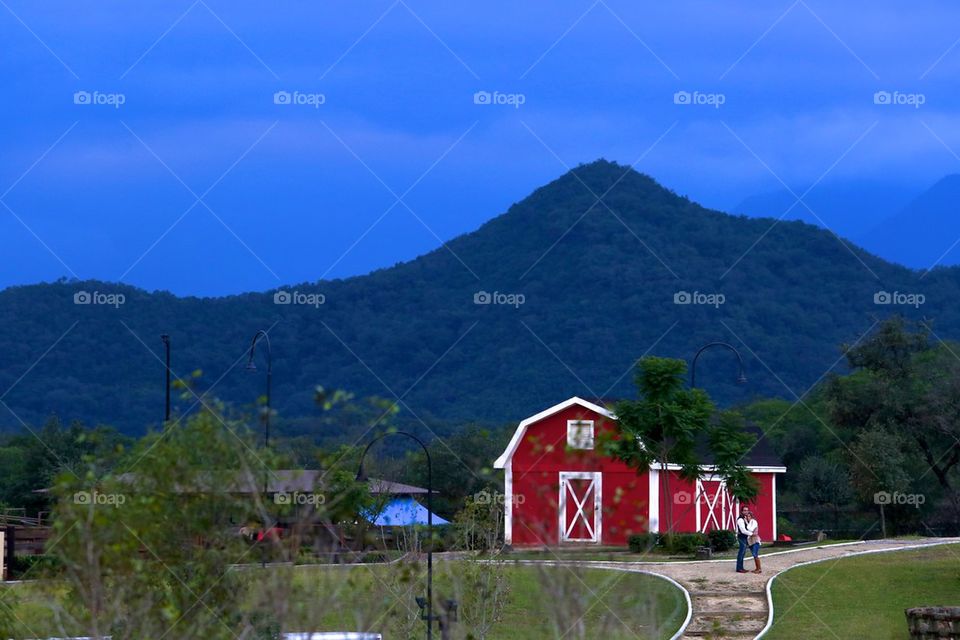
(542, 602)
(863, 596)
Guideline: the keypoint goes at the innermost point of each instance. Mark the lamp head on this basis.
(742, 378)
(251, 366)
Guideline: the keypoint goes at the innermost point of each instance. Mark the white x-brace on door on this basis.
(581, 499)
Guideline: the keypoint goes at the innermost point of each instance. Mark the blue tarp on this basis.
(401, 512)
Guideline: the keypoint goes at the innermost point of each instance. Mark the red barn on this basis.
(560, 490)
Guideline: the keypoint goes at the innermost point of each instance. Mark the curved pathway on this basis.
(733, 606)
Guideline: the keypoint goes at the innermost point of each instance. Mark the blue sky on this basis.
(200, 183)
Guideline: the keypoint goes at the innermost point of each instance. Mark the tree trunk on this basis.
(883, 522)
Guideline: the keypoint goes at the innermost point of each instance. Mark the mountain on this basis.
(556, 297)
(924, 233)
(851, 208)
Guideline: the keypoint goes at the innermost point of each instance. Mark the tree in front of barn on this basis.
(668, 422)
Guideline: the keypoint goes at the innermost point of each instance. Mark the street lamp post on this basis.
(253, 367)
(166, 346)
(428, 605)
(741, 376)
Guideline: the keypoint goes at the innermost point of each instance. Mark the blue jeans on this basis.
(755, 549)
(742, 539)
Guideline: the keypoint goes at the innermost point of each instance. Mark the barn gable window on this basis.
(580, 434)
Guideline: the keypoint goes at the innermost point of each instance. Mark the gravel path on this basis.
(733, 606)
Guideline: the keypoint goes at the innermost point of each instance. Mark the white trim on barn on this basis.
(504, 459)
(594, 489)
(508, 505)
(773, 495)
(653, 517)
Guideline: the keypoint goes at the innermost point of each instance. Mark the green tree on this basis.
(904, 384)
(878, 468)
(823, 483)
(668, 422)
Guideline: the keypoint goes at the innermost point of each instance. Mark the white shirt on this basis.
(747, 528)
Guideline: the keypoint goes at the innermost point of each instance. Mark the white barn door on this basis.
(581, 499)
(716, 508)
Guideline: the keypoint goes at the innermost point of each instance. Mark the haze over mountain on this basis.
(558, 296)
(924, 233)
(851, 209)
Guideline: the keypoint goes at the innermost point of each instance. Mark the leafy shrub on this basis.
(643, 542)
(722, 539)
(683, 543)
(34, 566)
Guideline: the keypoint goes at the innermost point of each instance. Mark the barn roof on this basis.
(504, 458)
(761, 456)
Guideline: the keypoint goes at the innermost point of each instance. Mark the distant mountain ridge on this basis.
(601, 284)
(924, 233)
(917, 228)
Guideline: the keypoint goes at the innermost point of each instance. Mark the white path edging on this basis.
(769, 624)
(627, 569)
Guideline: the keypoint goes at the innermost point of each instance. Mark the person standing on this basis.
(753, 539)
(743, 534)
